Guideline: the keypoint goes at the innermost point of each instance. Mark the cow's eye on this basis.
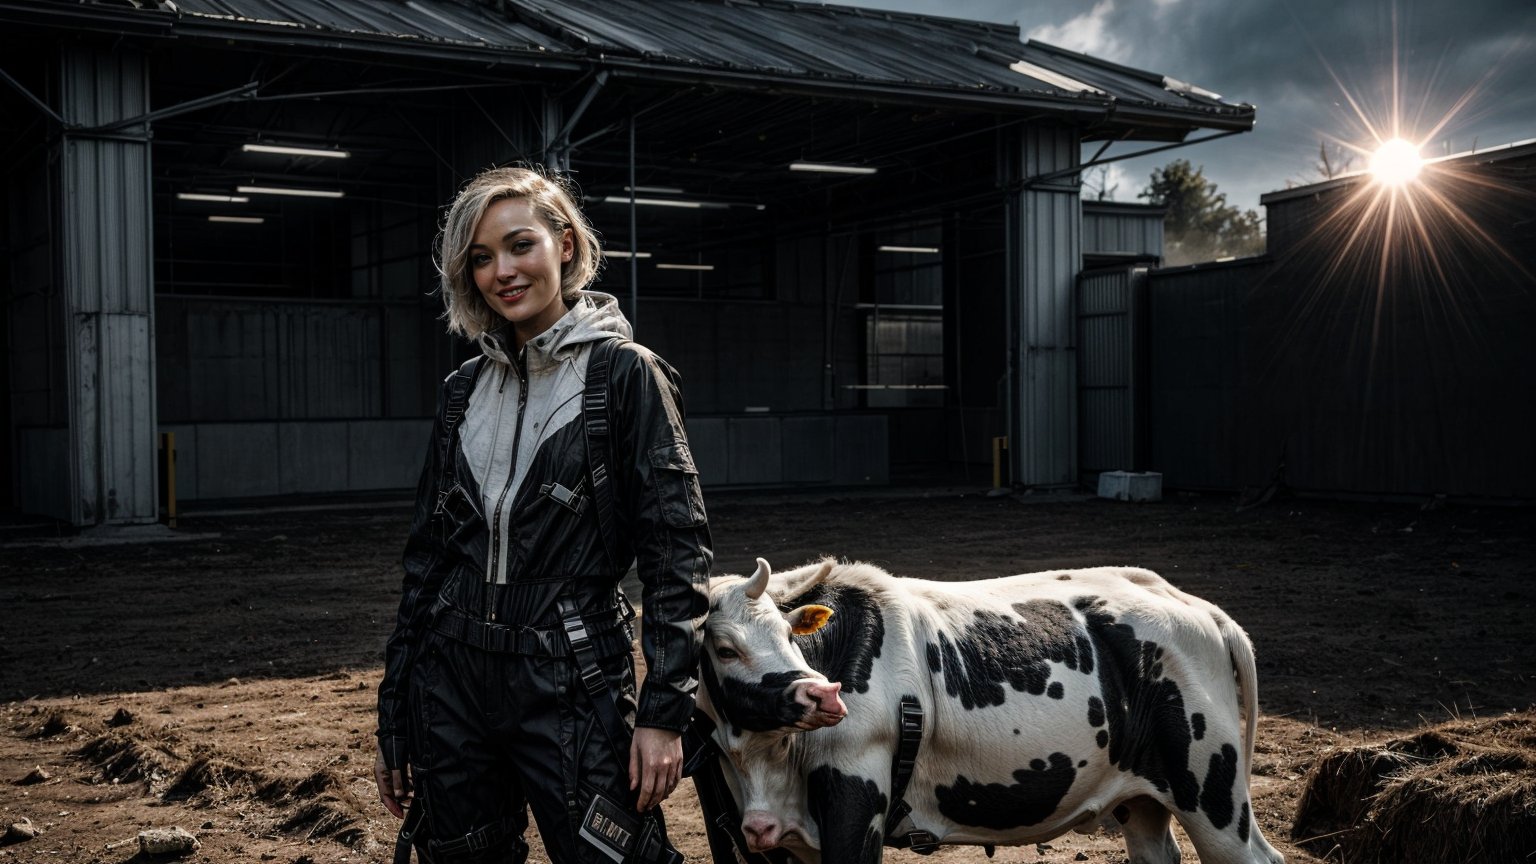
(725, 653)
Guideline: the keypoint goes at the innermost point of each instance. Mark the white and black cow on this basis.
(1051, 701)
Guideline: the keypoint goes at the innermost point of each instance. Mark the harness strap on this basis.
(910, 717)
(460, 385)
(607, 640)
(592, 678)
(407, 836)
(479, 840)
(594, 410)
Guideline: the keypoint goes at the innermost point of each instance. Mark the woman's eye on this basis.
(727, 653)
(523, 245)
(479, 260)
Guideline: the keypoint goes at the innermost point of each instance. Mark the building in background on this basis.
(855, 233)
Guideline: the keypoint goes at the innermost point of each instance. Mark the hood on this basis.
(594, 316)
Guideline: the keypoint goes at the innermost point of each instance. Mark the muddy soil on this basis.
(224, 684)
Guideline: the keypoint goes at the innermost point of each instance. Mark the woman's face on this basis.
(515, 259)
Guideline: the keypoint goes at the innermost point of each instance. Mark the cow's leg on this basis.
(1148, 829)
(1228, 837)
(849, 808)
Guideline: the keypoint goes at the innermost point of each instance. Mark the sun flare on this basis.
(1396, 162)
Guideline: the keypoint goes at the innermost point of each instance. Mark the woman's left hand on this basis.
(655, 764)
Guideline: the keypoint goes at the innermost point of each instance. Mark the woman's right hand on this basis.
(394, 786)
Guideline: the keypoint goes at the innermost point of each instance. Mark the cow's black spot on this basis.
(1082, 763)
(1197, 725)
(1102, 738)
(845, 649)
(1033, 797)
(1149, 732)
(844, 807)
(758, 706)
(1064, 578)
(1242, 824)
(1095, 711)
(1015, 731)
(1216, 795)
(1055, 691)
(997, 649)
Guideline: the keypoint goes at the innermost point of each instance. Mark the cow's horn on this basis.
(759, 581)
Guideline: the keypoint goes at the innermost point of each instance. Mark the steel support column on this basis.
(1045, 255)
(107, 276)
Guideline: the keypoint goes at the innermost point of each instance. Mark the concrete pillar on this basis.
(107, 277)
(1046, 255)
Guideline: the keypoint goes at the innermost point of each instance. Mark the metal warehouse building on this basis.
(856, 234)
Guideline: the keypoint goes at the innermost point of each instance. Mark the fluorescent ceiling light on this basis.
(830, 168)
(203, 196)
(295, 151)
(701, 267)
(662, 202)
(921, 250)
(620, 253)
(656, 190)
(287, 190)
(238, 220)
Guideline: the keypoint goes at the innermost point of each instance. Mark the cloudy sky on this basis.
(1300, 62)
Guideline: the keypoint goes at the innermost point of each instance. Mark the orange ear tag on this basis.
(808, 619)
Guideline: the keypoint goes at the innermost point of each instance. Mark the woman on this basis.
(517, 548)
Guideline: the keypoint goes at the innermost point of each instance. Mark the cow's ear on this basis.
(808, 619)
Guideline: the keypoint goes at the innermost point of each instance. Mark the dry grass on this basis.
(1463, 791)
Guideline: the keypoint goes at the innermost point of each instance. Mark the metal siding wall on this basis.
(1122, 232)
(251, 360)
(1044, 449)
(106, 220)
(1196, 348)
(1105, 368)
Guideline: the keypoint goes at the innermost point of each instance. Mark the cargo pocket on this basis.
(676, 484)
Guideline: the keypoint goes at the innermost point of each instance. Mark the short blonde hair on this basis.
(554, 200)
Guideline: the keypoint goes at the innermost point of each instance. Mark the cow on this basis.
(1046, 702)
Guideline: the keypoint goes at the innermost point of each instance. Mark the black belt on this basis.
(608, 639)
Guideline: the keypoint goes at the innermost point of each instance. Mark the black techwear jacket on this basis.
(553, 546)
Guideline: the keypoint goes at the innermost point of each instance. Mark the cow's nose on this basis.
(760, 830)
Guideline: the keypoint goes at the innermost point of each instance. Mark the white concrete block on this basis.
(1131, 485)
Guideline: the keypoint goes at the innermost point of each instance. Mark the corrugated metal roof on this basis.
(817, 41)
(452, 22)
(754, 43)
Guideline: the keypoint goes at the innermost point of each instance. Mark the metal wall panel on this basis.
(1110, 230)
(1110, 386)
(226, 359)
(1196, 354)
(106, 225)
(1048, 258)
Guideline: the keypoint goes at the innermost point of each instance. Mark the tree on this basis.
(1200, 225)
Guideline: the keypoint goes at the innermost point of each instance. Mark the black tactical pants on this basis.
(494, 734)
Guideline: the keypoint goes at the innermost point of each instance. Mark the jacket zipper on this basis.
(517, 439)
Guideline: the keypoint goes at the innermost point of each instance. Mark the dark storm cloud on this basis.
(1295, 61)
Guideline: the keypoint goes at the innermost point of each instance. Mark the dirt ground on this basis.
(224, 683)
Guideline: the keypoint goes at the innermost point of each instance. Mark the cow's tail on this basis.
(1240, 649)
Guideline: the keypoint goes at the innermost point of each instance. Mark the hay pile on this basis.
(1463, 791)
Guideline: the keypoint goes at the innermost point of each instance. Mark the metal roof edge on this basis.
(1123, 206)
(75, 16)
(1500, 153)
(1226, 117)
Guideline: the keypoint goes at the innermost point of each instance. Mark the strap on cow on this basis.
(910, 717)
